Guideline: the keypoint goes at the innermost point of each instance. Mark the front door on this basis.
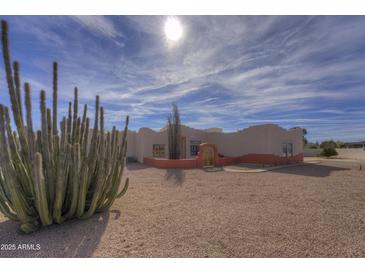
(208, 156)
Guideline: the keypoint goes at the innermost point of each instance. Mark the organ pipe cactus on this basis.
(52, 175)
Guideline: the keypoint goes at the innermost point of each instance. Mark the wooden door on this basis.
(208, 156)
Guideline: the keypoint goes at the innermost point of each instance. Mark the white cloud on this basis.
(101, 25)
(248, 66)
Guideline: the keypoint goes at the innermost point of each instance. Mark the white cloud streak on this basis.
(228, 71)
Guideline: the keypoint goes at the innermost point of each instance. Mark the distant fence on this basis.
(351, 153)
(311, 152)
(348, 153)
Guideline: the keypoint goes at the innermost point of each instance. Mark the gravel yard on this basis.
(315, 210)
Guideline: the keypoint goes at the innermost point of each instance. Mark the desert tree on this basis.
(174, 132)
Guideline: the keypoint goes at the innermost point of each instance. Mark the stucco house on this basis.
(264, 144)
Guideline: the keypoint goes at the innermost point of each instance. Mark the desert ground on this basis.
(315, 210)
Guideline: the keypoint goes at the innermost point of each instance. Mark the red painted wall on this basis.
(270, 159)
(226, 161)
(266, 159)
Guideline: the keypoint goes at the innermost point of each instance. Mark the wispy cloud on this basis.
(227, 71)
(100, 25)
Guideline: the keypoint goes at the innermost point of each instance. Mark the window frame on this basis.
(195, 144)
(284, 150)
(290, 151)
(158, 150)
(287, 150)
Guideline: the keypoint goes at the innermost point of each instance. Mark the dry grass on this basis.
(306, 211)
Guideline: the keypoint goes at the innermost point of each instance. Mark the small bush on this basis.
(328, 152)
(328, 144)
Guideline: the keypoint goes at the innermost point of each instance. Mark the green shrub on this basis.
(47, 176)
(328, 144)
(328, 152)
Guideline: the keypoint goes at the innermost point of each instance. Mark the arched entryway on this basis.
(207, 155)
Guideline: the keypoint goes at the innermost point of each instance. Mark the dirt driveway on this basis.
(303, 211)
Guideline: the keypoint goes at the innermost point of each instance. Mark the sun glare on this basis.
(173, 29)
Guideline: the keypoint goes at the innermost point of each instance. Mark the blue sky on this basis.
(226, 71)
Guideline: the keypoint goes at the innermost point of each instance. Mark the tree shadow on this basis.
(74, 238)
(313, 170)
(177, 176)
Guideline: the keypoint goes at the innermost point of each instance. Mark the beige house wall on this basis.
(261, 139)
(192, 134)
(131, 143)
(146, 138)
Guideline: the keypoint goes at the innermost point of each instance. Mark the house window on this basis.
(194, 147)
(287, 149)
(290, 149)
(158, 150)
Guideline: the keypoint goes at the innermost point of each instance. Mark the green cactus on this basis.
(48, 176)
(55, 97)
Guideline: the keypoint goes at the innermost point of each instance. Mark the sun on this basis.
(173, 29)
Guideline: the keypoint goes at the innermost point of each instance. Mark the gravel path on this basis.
(303, 211)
